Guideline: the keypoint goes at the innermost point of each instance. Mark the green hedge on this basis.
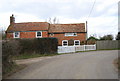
(39, 45)
(16, 47)
(9, 49)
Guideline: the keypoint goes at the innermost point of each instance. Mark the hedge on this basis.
(39, 45)
(11, 48)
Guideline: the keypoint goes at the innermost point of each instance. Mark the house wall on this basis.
(28, 34)
(60, 37)
(80, 36)
(9, 35)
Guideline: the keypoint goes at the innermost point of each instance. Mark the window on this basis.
(16, 34)
(76, 42)
(52, 34)
(65, 43)
(70, 34)
(38, 34)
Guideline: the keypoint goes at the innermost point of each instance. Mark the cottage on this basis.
(67, 34)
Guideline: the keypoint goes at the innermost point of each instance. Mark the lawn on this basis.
(118, 63)
(27, 56)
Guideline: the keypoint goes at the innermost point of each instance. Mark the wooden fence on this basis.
(69, 49)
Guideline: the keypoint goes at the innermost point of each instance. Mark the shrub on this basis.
(39, 45)
(9, 50)
(15, 47)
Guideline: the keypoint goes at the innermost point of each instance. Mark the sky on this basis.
(101, 15)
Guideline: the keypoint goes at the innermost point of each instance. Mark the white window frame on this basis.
(38, 36)
(51, 34)
(63, 41)
(17, 36)
(75, 41)
(70, 34)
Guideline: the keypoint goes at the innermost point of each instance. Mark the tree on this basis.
(2, 34)
(107, 37)
(92, 38)
(53, 21)
(118, 36)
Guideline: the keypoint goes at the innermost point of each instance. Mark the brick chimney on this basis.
(12, 19)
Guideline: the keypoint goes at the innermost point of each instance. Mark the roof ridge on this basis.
(30, 22)
(68, 24)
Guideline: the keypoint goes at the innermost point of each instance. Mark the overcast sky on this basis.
(102, 21)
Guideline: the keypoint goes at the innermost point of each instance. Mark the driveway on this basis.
(83, 65)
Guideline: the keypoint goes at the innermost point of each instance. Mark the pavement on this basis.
(82, 65)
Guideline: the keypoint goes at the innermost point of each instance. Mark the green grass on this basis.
(118, 63)
(110, 49)
(11, 70)
(97, 50)
(27, 56)
(85, 51)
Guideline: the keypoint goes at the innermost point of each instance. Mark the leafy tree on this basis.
(118, 36)
(92, 38)
(107, 37)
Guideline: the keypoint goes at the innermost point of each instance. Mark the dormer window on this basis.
(70, 34)
(38, 34)
(52, 34)
(16, 34)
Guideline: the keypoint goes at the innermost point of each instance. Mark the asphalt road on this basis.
(84, 65)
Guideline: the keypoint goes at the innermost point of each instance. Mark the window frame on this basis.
(75, 43)
(38, 36)
(17, 36)
(72, 34)
(63, 41)
(51, 34)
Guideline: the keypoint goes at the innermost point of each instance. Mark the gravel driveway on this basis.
(83, 65)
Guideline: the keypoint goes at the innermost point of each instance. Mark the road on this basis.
(83, 65)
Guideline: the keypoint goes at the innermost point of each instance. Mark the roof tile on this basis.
(52, 28)
(56, 28)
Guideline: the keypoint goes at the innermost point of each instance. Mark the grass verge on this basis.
(118, 62)
(15, 68)
(27, 56)
(97, 50)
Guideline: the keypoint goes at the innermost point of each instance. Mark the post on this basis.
(86, 31)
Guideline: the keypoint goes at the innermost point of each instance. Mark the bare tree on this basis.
(53, 21)
(50, 21)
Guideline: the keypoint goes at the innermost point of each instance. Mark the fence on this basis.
(85, 47)
(69, 49)
(66, 49)
(108, 44)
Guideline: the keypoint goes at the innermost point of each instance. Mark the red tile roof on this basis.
(51, 28)
(57, 28)
(30, 26)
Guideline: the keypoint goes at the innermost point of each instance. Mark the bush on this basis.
(9, 50)
(39, 45)
(17, 47)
